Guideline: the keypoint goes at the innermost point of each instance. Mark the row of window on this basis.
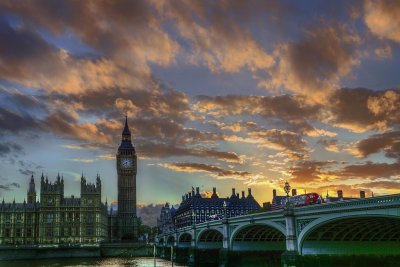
(18, 232)
(69, 231)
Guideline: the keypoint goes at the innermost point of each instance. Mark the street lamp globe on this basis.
(287, 188)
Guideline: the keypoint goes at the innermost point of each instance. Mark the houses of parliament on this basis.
(54, 219)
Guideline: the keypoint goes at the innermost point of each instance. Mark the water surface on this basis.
(89, 262)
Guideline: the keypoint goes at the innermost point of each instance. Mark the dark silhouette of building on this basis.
(197, 209)
(166, 223)
(126, 168)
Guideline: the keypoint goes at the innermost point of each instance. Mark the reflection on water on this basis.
(88, 262)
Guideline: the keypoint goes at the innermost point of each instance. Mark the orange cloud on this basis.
(382, 19)
(314, 66)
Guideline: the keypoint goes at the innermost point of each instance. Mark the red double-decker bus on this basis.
(299, 200)
(306, 199)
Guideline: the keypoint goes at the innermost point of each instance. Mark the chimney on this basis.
(197, 191)
(274, 193)
(249, 191)
(233, 192)
(267, 206)
(214, 195)
(362, 194)
(243, 194)
(190, 194)
(186, 196)
(237, 195)
(192, 191)
(340, 194)
(294, 192)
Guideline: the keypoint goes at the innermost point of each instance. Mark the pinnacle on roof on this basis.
(126, 127)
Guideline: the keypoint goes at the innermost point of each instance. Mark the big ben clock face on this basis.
(126, 163)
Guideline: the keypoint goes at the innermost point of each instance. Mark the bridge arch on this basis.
(184, 240)
(351, 235)
(258, 237)
(210, 239)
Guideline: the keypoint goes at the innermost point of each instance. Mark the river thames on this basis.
(88, 262)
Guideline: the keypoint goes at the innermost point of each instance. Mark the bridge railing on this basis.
(373, 201)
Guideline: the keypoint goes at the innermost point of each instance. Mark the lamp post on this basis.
(290, 256)
(224, 205)
(287, 188)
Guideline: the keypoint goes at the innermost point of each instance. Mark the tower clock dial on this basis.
(126, 163)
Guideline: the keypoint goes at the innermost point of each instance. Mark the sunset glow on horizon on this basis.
(225, 94)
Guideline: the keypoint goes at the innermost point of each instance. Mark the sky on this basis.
(244, 94)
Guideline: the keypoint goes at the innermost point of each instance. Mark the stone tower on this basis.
(126, 168)
(31, 191)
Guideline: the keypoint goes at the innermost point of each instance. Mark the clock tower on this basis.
(126, 168)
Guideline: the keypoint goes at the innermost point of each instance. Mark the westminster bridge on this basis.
(368, 226)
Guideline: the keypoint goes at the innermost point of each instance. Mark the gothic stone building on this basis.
(59, 220)
(55, 220)
(165, 223)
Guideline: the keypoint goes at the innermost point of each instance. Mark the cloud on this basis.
(191, 167)
(281, 140)
(163, 150)
(381, 17)
(7, 148)
(128, 32)
(369, 170)
(314, 66)
(293, 111)
(360, 110)
(63, 125)
(386, 104)
(309, 171)
(15, 122)
(82, 160)
(106, 156)
(41, 65)
(384, 184)
(214, 171)
(216, 38)
(329, 144)
(26, 167)
(388, 142)
(9, 186)
(149, 213)
(383, 52)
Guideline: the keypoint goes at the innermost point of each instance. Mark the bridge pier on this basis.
(290, 258)
(223, 257)
(224, 252)
(193, 249)
(161, 252)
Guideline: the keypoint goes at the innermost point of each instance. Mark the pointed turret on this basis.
(126, 127)
(126, 137)
(31, 195)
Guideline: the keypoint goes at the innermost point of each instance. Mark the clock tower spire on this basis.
(126, 169)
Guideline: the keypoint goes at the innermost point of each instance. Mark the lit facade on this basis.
(197, 209)
(55, 220)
